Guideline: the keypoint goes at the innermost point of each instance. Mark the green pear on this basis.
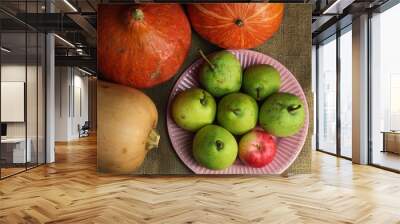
(221, 73)
(193, 109)
(260, 81)
(237, 112)
(214, 147)
(282, 114)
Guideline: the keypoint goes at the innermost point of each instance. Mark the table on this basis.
(391, 141)
(18, 150)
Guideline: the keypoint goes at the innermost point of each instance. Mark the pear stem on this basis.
(137, 14)
(206, 59)
(258, 93)
(293, 108)
(236, 111)
(152, 140)
(203, 99)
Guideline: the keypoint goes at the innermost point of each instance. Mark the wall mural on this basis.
(203, 88)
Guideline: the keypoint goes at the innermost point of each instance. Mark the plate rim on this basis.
(199, 60)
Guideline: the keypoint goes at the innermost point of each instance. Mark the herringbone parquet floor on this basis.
(70, 191)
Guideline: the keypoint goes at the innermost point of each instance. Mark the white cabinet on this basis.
(19, 155)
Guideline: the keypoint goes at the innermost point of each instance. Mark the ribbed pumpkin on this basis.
(141, 45)
(236, 25)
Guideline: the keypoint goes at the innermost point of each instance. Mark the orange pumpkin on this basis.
(236, 25)
(141, 45)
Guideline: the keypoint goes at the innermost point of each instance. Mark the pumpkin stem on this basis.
(239, 22)
(203, 99)
(137, 14)
(206, 59)
(152, 140)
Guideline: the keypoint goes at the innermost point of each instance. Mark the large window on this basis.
(326, 95)
(385, 89)
(346, 92)
(334, 109)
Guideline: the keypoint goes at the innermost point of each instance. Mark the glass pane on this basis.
(23, 91)
(346, 94)
(13, 89)
(327, 96)
(41, 98)
(31, 88)
(32, 98)
(385, 114)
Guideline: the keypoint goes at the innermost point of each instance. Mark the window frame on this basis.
(334, 37)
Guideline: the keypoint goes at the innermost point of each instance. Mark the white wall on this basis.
(13, 72)
(62, 81)
(81, 85)
(10, 73)
(71, 102)
(33, 127)
(16, 72)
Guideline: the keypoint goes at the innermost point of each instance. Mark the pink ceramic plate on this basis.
(288, 148)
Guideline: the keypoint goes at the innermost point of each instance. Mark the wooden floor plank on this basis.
(71, 191)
